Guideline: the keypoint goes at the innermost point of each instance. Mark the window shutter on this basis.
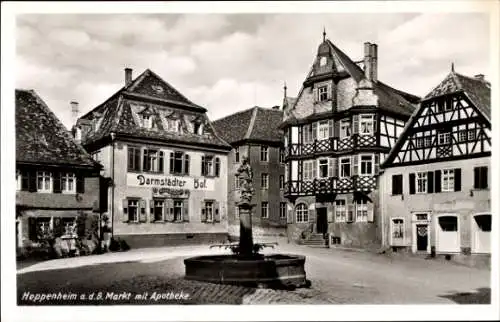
(57, 227)
(145, 163)
(137, 156)
(161, 162)
(32, 229)
(376, 161)
(170, 210)
(315, 169)
(430, 182)
(151, 210)
(203, 212)
(331, 167)
(185, 215)
(57, 182)
(217, 167)
(484, 178)
(477, 177)
(370, 208)
(186, 164)
(375, 122)
(458, 179)
(355, 124)
(142, 211)
(437, 181)
(171, 165)
(314, 130)
(395, 185)
(216, 211)
(411, 180)
(289, 217)
(32, 181)
(202, 165)
(125, 210)
(315, 95)
(312, 215)
(330, 212)
(25, 180)
(80, 183)
(330, 128)
(354, 165)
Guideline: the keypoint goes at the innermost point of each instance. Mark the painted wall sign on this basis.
(172, 182)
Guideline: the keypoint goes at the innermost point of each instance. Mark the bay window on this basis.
(345, 128)
(366, 124)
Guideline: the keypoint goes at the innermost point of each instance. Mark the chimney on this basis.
(128, 76)
(373, 55)
(74, 112)
(479, 77)
(368, 60)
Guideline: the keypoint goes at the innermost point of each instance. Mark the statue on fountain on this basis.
(246, 181)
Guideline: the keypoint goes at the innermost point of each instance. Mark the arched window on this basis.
(301, 213)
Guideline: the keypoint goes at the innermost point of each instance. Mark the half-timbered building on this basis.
(435, 188)
(167, 164)
(337, 131)
(57, 180)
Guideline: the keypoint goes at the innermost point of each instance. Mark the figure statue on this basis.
(246, 176)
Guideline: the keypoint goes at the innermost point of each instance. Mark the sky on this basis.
(230, 62)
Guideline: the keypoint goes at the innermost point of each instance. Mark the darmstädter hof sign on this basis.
(173, 182)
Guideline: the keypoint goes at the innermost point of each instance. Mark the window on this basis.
(178, 210)
(68, 182)
(209, 211)
(18, 180)
(282, 182)
(419, 142)
(236, 154)
(308, 133)
(322, 61)
(147, 121)
(134, 158)
(207, 165)
(340, 211)
(421, 182)
(428, 141)
(264, 181)
(361, 211)
(68, 226)
(366, 165)
(323, 130)
(42, 228)
(158, 209)
(282, 210)
(448, 223)
(264, 153)
(472, 135)
(323, 93)
(421, 216)
(345, 128)
(133, 210)
(366, 124)
(481, 178)
(44, 181)
(323, 168)
(444, 138)
(179, 163)
(397, 228)
(173, 125)
(152, 160)
(448, 180)
(309, 171)
(301, 213)
(236, 182)
(282, 155)
(462, 136)
(264, 210)
(397, 184)
(345, 167)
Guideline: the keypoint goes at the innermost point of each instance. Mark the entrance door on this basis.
(422, 239)
(321, 221)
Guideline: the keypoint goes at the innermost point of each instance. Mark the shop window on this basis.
(448, 223)
(483, 222)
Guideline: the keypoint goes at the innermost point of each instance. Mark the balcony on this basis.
(332, 185)
(333, 144)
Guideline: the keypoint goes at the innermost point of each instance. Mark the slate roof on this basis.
(478, 91)
(119, 116)
(41, 138)
(256, 123)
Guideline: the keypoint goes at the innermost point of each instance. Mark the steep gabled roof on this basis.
(151, 93)
(41, 138)
(256, 123)
(478, 90)
(390, 99)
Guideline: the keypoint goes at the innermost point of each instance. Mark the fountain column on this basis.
(246, 237)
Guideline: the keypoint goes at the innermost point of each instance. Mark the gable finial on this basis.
(452, 67)
(324, 33)
(284, 89)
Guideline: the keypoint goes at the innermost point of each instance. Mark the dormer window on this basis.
(173, 125)
(198, 128)
(322, 61)
(323, 93)
(147, 121)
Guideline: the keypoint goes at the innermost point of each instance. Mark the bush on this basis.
(118, 245)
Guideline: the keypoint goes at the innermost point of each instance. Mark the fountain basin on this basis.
(273, 270)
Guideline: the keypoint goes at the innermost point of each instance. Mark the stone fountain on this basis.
(246, 266)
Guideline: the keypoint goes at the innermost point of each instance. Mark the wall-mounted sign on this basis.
(171, 182)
